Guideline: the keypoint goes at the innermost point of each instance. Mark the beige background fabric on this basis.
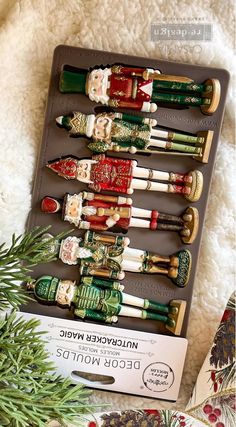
(30, 30)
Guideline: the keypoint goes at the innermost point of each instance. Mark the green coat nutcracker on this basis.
(119, 132)
(142, 89)
(110, 256)
(103, 300)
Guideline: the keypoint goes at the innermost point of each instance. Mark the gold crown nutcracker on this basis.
(119, 132)
(124, 176)
(90, 211)
(103, 300)
(110, 256)
(139, 88)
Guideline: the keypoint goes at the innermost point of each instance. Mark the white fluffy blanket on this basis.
(30, 30)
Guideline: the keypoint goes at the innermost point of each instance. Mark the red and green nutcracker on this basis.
(100, 212)
(141, 89)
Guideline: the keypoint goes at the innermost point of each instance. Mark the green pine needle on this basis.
(31, 394)
(16, 262)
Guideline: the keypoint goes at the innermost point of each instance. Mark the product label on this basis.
(114, 359)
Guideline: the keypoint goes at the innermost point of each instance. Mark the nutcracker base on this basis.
(191, 223)
(213, 95)
(184, 268)
(177, 266)
(206, 148)
(178, 317)
(195, 186)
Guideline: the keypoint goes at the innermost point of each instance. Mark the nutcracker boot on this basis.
(181, 144)
(185, 225)
(177, 266)
(206, 95)
(190, 185)
(171, 315)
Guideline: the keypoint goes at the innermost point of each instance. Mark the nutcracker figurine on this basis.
(103, 300)
(142, 89)
(124, 176)
(90, 211)
(110, 256)
(125, 133)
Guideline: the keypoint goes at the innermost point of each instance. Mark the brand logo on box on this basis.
(158, 377)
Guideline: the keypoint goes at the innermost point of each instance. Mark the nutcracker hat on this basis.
(68, 167)
(73, 79)
(45, 288)
(77, 123)
(65, 167)
(51, 205)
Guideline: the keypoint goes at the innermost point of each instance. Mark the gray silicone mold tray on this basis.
(57, 143)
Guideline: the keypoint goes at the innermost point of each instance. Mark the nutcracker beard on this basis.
(98, 84)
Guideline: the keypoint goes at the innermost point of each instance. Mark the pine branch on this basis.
(31, 394)
(225, 376)
(16, 263)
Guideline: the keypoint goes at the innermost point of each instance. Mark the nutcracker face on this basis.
(95, 81)
(73, 208)
(102, 128)
(69, 250)
(65, 292)
(98, 85)
(83, 171)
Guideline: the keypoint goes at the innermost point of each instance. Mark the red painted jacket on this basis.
(99, 222)
(128, 90)
(108, 173)
(112, 174)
